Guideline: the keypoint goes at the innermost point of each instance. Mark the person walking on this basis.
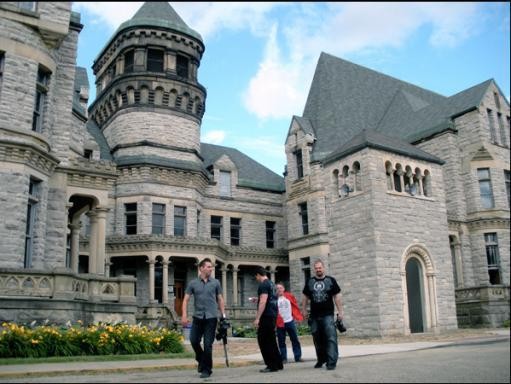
(322, 291)
(288, 313)
(266, 318)
(207, 293)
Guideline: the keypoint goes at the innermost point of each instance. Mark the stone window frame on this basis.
(158, 219)
(492, 127)
(224, 183)
(159, 60)
(270, 233)
(41, 95)
(502, 130)
(487, 199)
(303, 213)
(216, 225)
(235, 230)
(182, 66)
(130, 215)
(409, 180)
(507, 183)
(298, 156)
(347, 175)
(491, 244)
(128, 53)
(180, 215)
(34, 192)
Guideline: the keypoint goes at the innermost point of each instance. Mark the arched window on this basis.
(397, 178)
(390, 175)
(335, 182)
(356, 173)
(408, 179)
(426, 184)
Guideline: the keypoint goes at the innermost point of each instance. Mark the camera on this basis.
(223, 326)
(340, 325)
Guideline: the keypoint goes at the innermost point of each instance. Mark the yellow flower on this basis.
(34, 341)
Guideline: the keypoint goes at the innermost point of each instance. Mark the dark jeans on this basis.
(268, 342)
(324, 335)
(290, 329)
(203, 328)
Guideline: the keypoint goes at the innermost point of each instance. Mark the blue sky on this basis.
(260, 57)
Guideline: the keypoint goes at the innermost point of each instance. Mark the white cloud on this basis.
(213, 137)
(110, 13)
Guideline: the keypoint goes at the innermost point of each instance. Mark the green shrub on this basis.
(506, 323)
(96, 339)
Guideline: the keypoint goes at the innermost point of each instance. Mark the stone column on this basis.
(139, 60)
(272, 274)
(170, 62)
(224, 283)
(165, 281)
(100, 253)
(107, 267)
(402, 180)
(458, 264)
(93, 240)
(75, 245)
(432, 300)
(235, 286)
(151, 263)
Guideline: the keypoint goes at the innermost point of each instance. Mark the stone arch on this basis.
(158, 96)
(419, 254)
(355, 169)
(389, 171)
(335, 182)
(144, 95)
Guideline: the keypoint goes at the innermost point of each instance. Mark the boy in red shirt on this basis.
(289, 311)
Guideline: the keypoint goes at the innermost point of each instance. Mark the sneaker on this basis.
(266, 370)
(300, 360)
(330, 367)
(205, 375)
(318, 365)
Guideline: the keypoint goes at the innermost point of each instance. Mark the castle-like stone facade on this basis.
(107, 208)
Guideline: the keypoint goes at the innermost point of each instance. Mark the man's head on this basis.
(206, 268)
(280, 288)
(319, 268)
(261, 274)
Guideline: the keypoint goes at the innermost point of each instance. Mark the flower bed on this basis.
(95, 339)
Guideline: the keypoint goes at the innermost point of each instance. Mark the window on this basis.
(155, 60)
(299, 163)
(225, 183)
(305, 218)
(43, 79)
(216, 227)
(270, 234)
(306, 268)
(492, 256)
(491, 121)
(129, 60)
(502, 130)
(130, 211)
(235, 230)
(33, 199)
(485, 188)
(497, 99)
(158, 219)
(2, 59)
(179, 221)
(508, 186)
(87, 153)
(182, 66)
(27, 5)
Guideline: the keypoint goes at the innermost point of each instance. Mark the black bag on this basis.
(340, 326)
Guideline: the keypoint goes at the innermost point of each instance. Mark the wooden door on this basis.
(179, 294)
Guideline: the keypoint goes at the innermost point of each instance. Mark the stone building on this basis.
(109, 206)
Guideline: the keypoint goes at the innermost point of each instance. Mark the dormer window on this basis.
(182, 66)
(225, 183)
(299, 163)
(155, 60)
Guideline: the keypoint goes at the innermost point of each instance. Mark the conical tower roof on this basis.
(159, 14)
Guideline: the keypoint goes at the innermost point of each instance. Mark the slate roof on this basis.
(346, 98)
(104, 149)
(156, 14)
(250, 173)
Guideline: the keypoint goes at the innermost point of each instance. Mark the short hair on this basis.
(319, 261)
(261, 271)
(281, 283)
(204, 261)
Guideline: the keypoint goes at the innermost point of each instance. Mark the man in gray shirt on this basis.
(207, 293)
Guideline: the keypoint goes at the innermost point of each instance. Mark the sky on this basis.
(260, 57)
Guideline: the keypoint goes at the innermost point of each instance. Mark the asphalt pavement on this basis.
(308, 355)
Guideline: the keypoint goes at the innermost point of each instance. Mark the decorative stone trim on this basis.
(91, 173)
(28, 154)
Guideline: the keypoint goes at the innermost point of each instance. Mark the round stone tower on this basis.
(149, 103)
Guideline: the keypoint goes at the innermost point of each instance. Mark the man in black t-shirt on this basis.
(265, 321)
(323, 291)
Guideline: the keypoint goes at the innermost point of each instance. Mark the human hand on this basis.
(256, 323)
(184, 321)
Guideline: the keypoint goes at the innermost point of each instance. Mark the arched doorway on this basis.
(415, 297)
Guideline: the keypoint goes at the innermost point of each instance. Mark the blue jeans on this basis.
(324, 335)
(203, 328)
(290, 329)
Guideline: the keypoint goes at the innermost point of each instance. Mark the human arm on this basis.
(338, 304)
(305, 304)
(221, 305)
(184, 308)
(263, 298)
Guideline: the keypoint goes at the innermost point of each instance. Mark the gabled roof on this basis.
(376, 140)
(156, 14)
(346, 98)
(95, 132)
(81, 80)
(250, 173)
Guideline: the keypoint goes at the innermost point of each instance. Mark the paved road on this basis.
(483, 362)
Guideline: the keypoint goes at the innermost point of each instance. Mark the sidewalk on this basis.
(237, 358)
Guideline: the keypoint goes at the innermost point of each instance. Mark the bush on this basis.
(96, 339)
(249, 331)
